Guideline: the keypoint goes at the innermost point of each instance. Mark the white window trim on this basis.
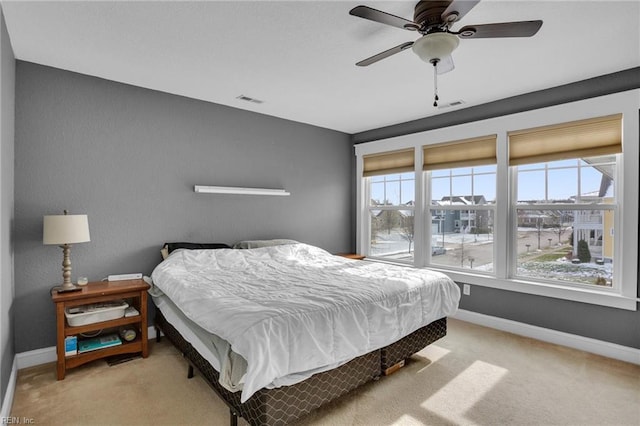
(626, 261)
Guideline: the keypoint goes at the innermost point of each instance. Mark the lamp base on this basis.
(66, 288)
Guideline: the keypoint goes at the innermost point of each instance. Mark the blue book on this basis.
(70, 346)
(100, 342)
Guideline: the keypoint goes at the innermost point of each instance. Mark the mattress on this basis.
(230, 367)
(296, 308)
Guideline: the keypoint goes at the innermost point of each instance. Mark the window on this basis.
(565, 206)
(462, 223)
(390, 207)
(462, 202)
(550, 210)
(565, 214)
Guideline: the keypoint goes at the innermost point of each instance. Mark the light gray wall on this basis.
(607, 324)
(128, 157)
(7, 97)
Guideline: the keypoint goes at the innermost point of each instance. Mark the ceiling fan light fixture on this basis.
(435, 46)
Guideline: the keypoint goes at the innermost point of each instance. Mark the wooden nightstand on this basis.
(354, 256)
(135, 291)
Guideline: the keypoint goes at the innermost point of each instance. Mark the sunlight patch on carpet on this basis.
(407, 420)
(433, 353)
(464, 391)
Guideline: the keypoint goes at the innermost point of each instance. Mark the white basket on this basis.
(95, 312)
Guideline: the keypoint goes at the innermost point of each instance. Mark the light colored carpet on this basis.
(474, 376)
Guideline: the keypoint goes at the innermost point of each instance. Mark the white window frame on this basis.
(391, 207)
(627, 180)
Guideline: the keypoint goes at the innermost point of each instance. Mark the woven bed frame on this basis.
(285, 404)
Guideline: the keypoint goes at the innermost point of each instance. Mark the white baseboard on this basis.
(35, 357)
(7, 402)
(599, 347)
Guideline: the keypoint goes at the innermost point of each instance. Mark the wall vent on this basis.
(249, 99)
(451, 104)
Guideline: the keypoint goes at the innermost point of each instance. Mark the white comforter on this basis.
(294, 308)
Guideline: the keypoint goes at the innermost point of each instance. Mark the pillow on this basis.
(164, 251)
(262, 243)
(169, 247)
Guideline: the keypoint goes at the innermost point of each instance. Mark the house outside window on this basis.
(461, 235)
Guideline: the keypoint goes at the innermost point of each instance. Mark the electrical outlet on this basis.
(466, 289)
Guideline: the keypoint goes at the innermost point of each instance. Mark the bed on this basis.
(281, 329)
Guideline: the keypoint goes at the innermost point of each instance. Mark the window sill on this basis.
(583, 295)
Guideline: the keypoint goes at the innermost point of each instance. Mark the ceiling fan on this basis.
(433, 20)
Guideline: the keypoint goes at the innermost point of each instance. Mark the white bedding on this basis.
(294, 308)
(231, 367)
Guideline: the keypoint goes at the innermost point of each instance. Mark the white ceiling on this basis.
(298, 56)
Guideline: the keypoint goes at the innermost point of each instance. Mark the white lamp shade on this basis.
(435, 46)
(65, 229)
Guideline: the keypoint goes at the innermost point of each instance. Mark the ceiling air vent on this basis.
(249, 99)
(451, 104)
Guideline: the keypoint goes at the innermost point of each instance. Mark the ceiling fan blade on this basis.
(385, 54)
(375, 15)
(457, 9)
(445, 64)
(504, 29)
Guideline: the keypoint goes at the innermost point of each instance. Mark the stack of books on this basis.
(99, 342)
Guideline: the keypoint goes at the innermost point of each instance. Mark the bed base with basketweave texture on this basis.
(285, 404)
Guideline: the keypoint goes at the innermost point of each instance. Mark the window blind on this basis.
(388, 162)
(576, 139)
(463, 153)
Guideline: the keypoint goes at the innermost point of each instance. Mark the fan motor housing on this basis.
(429, 13)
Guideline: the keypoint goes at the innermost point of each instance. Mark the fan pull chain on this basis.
(435, 82)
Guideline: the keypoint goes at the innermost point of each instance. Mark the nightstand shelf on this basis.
(104, 291)
(73, 331)
(83, 358)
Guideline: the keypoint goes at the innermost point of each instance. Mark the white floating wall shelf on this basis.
(239, 190)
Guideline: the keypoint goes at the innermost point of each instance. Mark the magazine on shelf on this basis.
(99, 342)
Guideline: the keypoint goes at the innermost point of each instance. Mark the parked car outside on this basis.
(436, 250)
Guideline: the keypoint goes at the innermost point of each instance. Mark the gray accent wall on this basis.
(603, 323)
(7, 97)
(129, 157)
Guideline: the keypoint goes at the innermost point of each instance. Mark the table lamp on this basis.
(65, 230)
